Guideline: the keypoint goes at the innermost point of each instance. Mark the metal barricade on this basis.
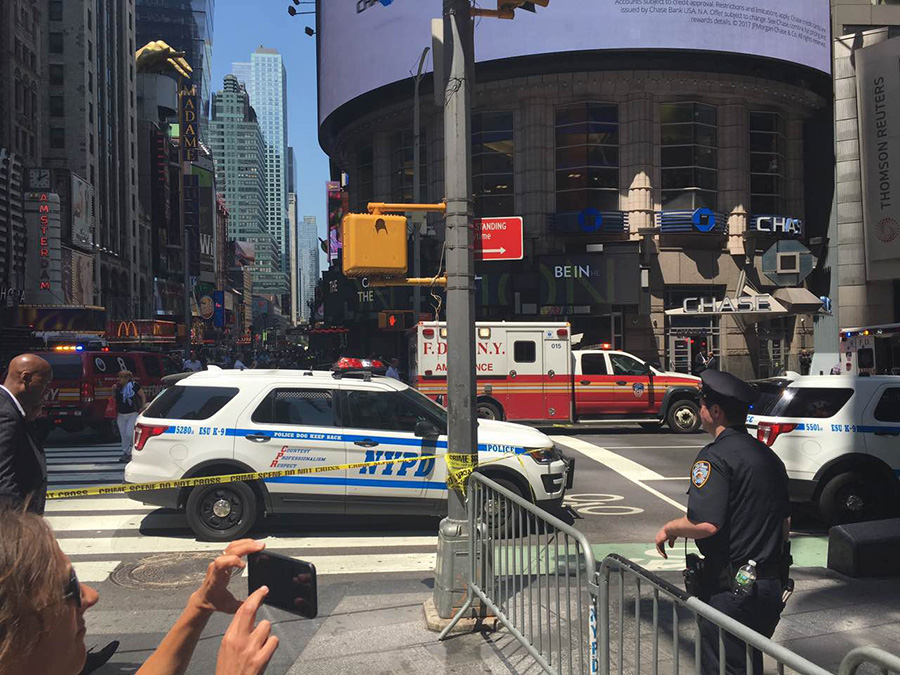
(883, 661)
(536, 574)
(641, 600)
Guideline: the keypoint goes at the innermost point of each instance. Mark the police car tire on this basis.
(487, 411)
(674, 408)
(504, 527)
(865, 486)
(200, 520)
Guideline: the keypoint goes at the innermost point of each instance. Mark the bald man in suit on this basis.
(23, 467)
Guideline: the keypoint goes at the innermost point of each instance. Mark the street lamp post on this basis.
(451, 569)
(417, 190)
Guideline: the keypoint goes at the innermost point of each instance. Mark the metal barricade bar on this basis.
(614, 565)
(884, 661)
(536, 574)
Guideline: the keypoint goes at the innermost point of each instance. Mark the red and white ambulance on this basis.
(529, 372)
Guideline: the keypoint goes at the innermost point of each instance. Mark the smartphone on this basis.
(291, 583)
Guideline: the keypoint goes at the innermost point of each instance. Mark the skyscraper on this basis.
(293, 261)
(91, 126)
(186, 25)
(265, 79)
(239, 155)
(308, 262)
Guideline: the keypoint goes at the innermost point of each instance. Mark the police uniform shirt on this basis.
(740, 485)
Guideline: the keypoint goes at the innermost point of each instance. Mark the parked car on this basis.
(839, 439)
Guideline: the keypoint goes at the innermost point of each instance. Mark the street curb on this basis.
(436, 624)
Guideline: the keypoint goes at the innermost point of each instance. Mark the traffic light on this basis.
(401, 319)
(374, 245)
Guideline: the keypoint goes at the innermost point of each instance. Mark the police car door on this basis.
(882, 419)
(291, 427)
(382, 424)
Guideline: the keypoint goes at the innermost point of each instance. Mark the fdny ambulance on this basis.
(529, 372)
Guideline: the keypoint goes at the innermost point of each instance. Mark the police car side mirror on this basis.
(425, 429)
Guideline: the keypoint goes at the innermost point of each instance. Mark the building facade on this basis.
(238, 151)
(669, 200)
(22, 59)
(863, 262)
(187, 27)
(265, 79)
(91, 147)
(308, 247)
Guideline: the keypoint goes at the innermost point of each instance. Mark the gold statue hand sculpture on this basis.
(158, 57)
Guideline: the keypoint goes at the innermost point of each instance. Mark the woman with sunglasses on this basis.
(42, 608)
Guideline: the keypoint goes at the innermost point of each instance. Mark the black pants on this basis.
(760, 611)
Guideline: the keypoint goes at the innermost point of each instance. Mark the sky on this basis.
(239, 28)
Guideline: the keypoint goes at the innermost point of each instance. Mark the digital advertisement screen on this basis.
(365, 45)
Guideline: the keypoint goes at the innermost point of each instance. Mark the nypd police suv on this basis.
(839, 439)
(226, 422)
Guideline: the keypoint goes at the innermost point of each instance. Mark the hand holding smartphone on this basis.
(291, 583)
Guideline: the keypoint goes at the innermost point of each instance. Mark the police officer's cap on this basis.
(725, 386)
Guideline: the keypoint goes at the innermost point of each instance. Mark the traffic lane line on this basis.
(627, 468)
(157, 544)
(94, 504)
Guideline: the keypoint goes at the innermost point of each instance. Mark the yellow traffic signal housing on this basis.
(374, 245)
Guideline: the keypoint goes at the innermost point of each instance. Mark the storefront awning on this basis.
(798, 300)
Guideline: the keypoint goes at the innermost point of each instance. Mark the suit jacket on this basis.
(23, 467)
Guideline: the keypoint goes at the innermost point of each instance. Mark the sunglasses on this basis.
(73, 589)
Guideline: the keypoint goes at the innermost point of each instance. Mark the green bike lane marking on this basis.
(808, 551)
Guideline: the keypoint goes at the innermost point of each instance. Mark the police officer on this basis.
(738, 510)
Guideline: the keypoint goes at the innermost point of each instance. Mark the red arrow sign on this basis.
(498, 238)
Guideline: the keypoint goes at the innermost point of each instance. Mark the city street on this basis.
(145, 561)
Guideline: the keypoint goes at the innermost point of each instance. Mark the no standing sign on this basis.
(498, 238)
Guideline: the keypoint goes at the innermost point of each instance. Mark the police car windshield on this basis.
(418, 398)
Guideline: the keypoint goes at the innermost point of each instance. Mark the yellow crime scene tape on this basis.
(459, 466)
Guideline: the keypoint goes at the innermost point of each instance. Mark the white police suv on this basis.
(839, 438)
(226, 422)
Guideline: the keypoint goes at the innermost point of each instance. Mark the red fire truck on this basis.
(529, 372)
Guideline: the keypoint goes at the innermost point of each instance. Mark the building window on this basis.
(57, 106)
(402, 174)
(365, 177)
(55, 42)
(56, 10)
(689, 155)
(57, 138)
(493, 148)
(57, 73)
(587, 157)
(767, 164)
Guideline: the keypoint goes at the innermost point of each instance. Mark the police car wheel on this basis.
(487, 411)
(499, 512)
(683, 417)
(852, 497)
(221, 512)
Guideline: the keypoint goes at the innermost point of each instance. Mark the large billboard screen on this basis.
(365, 45)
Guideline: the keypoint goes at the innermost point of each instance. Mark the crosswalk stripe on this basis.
(85, 477)
(94, 504)
(95, 571)
(55, 468)
(133, 521)
(154, 544)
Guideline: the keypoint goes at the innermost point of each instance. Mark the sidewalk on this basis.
(371, 627)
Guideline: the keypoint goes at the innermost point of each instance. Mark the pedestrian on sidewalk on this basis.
(130, 401)
(23, 466)
(42, 607)
(738, 512)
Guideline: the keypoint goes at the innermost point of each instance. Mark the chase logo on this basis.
(363, 5)
(703, 220)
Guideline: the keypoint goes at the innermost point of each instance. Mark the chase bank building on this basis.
(672, 162)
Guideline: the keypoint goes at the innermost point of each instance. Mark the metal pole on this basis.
(182, 168)
(417, 190)
(452, 566)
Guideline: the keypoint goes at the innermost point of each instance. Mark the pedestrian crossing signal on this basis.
(396, 319)
(374, 245)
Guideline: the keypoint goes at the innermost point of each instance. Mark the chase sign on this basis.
(778, 225)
